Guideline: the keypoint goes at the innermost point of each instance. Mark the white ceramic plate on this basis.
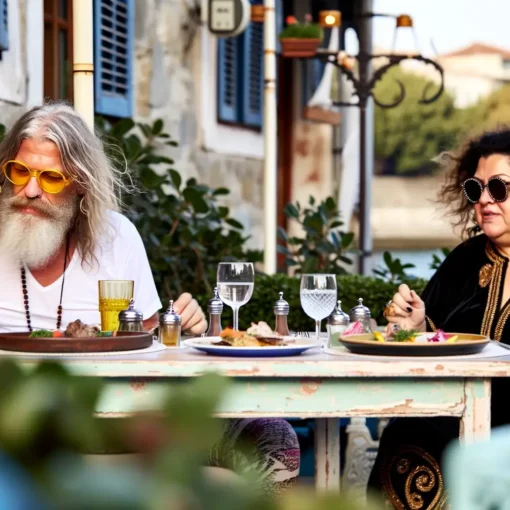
(206, 344)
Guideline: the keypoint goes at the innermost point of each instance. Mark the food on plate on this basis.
(257, 335)
(355, 328)
(410, 335)
(402, 335)
(261, 329)
(441, 336)
(378, 337)
(75, 329)
(235, 338)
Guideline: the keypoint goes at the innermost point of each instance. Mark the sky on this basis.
(450, 24)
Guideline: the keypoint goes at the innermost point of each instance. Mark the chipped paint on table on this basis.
(188, 363)
(314, 385)
(303, 398)
(475, 423)
(327, 453)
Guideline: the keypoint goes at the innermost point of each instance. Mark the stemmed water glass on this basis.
(235, 281)
(318, 295)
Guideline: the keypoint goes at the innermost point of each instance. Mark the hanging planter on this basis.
(299, 48)
(300, 40)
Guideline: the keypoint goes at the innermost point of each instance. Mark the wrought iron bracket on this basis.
(364, 88)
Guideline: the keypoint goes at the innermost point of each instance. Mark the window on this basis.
(113, 57)
(506, 64)
(58, 54)
(4, 26)
(241, 74)
(113, 54)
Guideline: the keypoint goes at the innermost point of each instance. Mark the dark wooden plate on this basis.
(123, 342)
(364, 344)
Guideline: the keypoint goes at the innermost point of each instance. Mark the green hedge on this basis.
(375, 294)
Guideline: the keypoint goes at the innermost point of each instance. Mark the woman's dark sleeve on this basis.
(442, 292)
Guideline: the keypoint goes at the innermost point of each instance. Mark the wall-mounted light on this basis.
(257, 13)
(330, 19)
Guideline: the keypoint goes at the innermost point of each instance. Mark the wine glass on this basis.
(235, 281)
(318, 296)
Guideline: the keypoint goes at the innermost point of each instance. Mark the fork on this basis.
(304, 334)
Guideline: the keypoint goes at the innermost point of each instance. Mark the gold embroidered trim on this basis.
(492, 254)
(419, 480)
(491, 307)
(500, 325)
(485, 275)
(431, 323)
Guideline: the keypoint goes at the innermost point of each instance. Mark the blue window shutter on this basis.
(4, 26)
(279, 23)
(113, 57)
(253, 74)
(228, 78)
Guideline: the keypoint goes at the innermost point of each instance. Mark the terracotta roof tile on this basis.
(477, 49)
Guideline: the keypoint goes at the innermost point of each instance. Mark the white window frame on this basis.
(215, 136)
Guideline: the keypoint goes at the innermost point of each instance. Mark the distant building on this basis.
(471, 73)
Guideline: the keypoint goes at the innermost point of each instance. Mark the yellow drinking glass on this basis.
(114, 296)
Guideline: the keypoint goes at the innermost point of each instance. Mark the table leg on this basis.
(327, 454)
(475, 423)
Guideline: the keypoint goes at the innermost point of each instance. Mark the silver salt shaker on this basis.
(281, 311)
(130, 320)
(170, 327)
(361, 314)
(215, 309)
(338, 321)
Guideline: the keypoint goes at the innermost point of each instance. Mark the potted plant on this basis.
(300, 39)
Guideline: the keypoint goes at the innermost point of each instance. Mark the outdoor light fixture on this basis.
(364, 77)
(404, 31)
(329, 19)
(404, 20)
(257, 13)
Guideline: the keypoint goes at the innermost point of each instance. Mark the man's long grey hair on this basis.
(83, 158)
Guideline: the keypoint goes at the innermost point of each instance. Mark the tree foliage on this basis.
(410, 135)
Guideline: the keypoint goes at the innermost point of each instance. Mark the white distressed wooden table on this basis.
(314, 385)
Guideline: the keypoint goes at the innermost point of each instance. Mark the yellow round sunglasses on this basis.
(50, 181)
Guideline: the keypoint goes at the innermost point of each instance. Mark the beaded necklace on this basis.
(25, 292)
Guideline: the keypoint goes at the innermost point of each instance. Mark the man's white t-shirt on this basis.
(121, 257)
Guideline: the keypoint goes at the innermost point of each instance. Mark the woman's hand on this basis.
(193, 318)
(406, 310)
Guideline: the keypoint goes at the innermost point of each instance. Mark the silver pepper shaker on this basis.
(215, 309)
(361, 314)
(338, 321)
(281, 311)
(170, 327)
(130, 320)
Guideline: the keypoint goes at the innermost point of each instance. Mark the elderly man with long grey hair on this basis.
(61, 231)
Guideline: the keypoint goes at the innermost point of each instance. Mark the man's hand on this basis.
(193, 318)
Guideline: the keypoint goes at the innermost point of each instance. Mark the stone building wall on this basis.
(172, 82)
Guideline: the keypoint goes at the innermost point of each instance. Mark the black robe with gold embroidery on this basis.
(464, 296)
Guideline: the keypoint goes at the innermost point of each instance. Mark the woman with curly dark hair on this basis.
(470, 293)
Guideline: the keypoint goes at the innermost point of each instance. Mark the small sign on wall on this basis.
(226, 18)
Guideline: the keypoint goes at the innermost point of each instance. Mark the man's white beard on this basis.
(33, 239)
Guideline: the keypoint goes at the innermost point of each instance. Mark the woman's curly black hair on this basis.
(461, 165)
